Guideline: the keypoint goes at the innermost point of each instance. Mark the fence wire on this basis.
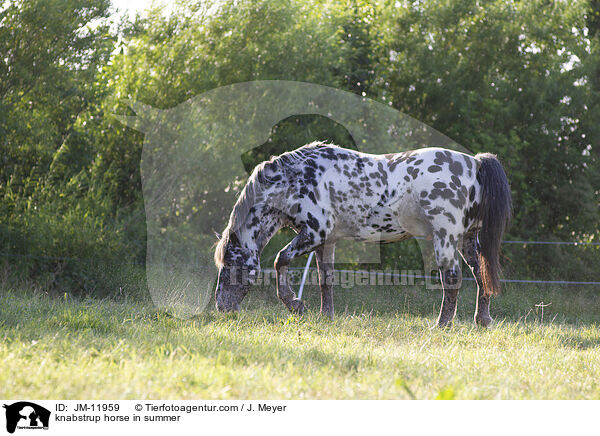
(547, 282)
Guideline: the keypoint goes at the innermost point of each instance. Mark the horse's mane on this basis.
(260, 179)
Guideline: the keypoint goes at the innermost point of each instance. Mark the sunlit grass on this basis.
(381, 345)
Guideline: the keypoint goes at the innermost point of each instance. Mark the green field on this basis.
(381, 345)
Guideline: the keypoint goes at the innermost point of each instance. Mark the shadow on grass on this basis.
(574, 311)
(577, 306)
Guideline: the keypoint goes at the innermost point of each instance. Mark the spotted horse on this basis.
(327, 193)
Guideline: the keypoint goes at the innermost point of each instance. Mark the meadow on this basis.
(382, 344)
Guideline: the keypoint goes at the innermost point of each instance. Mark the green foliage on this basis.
(62, 223)
(50, 56)
(512, 79)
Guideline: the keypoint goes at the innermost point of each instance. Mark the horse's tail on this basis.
(494, 213)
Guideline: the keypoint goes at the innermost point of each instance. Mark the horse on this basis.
(326, 193)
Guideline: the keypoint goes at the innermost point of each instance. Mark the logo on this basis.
(26, 415)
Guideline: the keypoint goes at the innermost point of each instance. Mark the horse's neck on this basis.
(256, 233)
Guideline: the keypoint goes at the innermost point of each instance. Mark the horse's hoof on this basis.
(483, 321)
(444, 323)
(328, 313)
(297, 306)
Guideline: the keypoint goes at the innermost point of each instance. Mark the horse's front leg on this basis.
(325, 258)
(303, 243)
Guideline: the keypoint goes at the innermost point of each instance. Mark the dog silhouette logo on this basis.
(26, 415)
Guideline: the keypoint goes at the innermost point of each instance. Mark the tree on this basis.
(51, 52)
(512, 79)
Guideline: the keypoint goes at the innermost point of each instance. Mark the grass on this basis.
(381, 345)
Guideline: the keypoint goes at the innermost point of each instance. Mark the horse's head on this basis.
(238, 269)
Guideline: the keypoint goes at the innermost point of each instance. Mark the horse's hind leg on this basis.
(451, 276)
(303, 243)
(470, 255)
(450, 296)
(325, 255)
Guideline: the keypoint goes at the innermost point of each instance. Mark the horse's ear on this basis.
(218, 235)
